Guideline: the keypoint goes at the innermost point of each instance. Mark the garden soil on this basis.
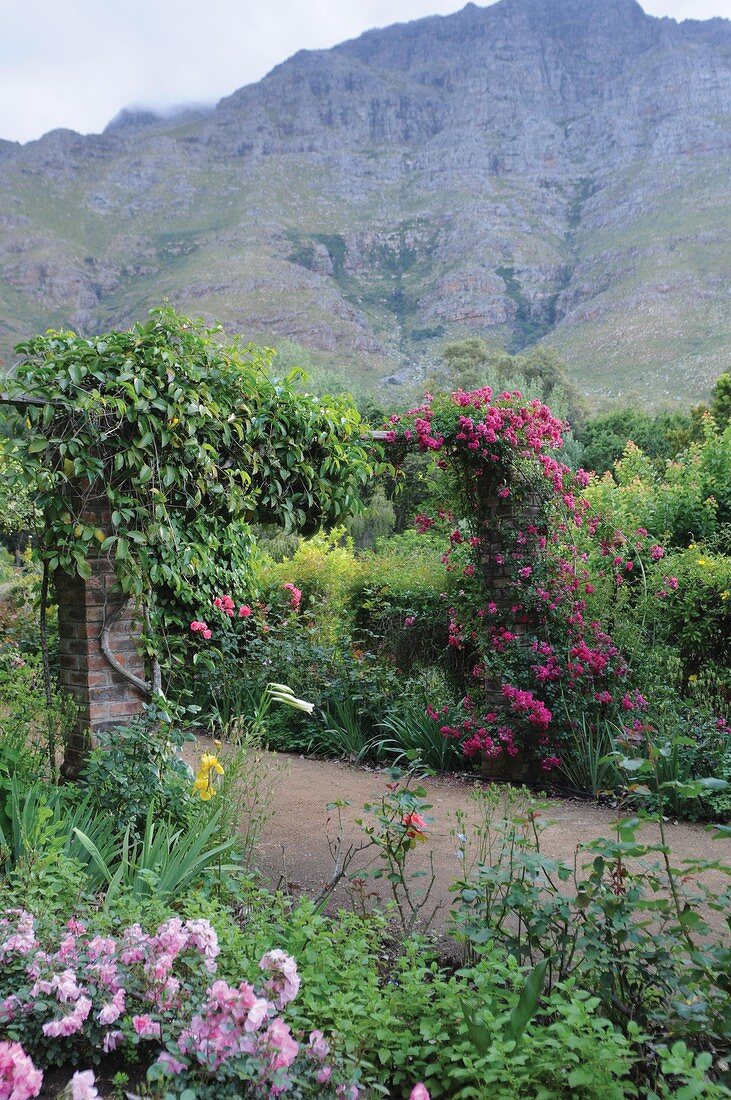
(294, 853)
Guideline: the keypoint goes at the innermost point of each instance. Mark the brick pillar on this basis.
(104, 697)
(498, 519)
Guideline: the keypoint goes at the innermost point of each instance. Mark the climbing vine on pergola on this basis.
(178, 441)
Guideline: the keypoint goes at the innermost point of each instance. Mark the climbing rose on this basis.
(419, 1092)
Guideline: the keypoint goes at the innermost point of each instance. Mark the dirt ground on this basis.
(294, 852)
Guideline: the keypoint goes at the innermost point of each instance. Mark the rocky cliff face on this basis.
(551, 170)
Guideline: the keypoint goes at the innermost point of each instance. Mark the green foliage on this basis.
(136, 770)
(630, 932)
(409, 733)
(538, 372)
(402, 1016)
(184, 441)
(27, 725)
(45, 866)
(19, 604)
(688, 501)
(19, 515)
(586, 757)
(165, 861)
(604, 439)
(343, 732)
(695, 616)
(721, 400)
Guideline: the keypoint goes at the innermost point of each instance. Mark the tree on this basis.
(471, 364)
(721, 400)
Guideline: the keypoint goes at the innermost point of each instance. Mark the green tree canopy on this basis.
(539, 372)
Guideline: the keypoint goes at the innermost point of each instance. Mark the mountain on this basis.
(538, 170)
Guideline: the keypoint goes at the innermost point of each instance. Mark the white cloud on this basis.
(76, 63)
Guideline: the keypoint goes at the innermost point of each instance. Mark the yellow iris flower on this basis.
(204, 783)
(209, 762)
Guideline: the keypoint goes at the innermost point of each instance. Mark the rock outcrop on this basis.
(539, 170)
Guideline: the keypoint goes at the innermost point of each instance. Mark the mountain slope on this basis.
(549, 170)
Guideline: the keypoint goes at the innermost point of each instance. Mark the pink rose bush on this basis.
(523, 616)
(83, 994)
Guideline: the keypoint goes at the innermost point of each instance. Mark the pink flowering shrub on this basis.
(522, 617)
(78, 995)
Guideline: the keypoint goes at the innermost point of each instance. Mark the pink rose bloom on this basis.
(415, 824)
(146, 1027)
(111, 1041)
(294, 595)
(23, 940)
(82, 1086)
(282, 1046)
(419, 1092)
(285, 981)
(244, 611)
(19, 1078)
(318, 1046)
(202, 935)
(65, 986)
(173, 1064)
(69, 1025)
(111, 1011)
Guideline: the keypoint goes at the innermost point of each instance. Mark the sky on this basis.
(76, 63)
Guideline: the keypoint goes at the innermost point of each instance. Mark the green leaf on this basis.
(37, 445)
(710, 783)
(478, 1031)
(527, 1004)
(83, 569)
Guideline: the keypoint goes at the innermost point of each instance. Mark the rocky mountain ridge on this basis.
(550, 170)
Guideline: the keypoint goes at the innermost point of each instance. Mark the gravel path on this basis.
(294, 848)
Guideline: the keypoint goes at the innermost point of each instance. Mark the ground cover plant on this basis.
(535, 615)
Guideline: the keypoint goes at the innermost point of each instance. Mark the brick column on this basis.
(104, 697)
(498, 519)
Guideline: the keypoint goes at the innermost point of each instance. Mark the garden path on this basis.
(293, 849)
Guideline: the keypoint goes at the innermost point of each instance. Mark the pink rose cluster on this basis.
(141, 988)
(202, 628)
(227, 605)
(19, 1078)
(544, 582)
(295, 595)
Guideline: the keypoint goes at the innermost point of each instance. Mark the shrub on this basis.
(694, 612)
(74, 994)
(136, 771)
